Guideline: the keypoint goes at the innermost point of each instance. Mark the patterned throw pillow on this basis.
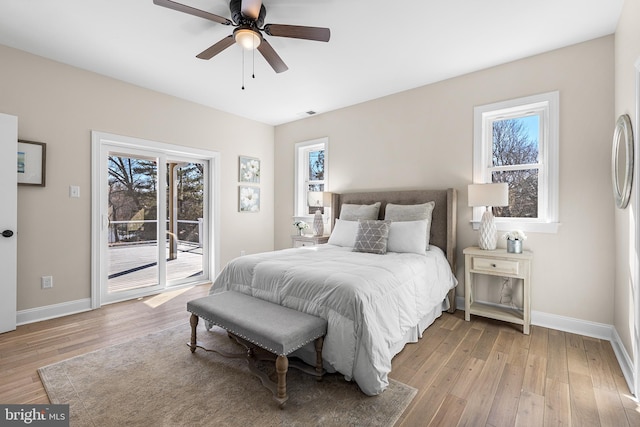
(372, 236)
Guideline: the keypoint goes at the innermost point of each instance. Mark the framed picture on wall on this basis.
(249, 170)
(248, 198)
(32, 160)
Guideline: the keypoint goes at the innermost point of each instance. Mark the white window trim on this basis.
(300, 198)
(549, 103)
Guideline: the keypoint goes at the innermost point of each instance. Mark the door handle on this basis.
(7, 233)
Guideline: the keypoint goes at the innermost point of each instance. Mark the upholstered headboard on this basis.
(443, 224)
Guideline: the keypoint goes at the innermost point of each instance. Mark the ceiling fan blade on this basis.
(192, 11)
(251, 8)
(272, 57)
(298, 32)
(216, 48)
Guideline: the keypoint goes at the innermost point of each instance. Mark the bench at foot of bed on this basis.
(259, 324)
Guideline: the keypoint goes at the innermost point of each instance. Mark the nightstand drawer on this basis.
(496, 265)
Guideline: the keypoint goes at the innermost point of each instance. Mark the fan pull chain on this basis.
(242, 50)
(253, 60)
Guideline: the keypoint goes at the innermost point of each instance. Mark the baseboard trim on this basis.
(562, 323)
(625, 362)
(47, 312)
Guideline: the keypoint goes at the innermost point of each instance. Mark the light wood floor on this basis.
(479, 373)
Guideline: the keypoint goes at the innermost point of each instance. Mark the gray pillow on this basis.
(372, 237)
(411, 213)
(355, 212)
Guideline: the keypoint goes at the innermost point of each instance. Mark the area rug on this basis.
(156, 380)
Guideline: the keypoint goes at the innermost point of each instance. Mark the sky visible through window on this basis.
(532, 125)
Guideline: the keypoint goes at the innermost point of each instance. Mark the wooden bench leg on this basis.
(319, 371)
(282, 366)
(194, 325)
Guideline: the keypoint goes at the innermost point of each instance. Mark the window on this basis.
(517, 142)
(311, 173)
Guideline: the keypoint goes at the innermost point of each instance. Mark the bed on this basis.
(374, 303)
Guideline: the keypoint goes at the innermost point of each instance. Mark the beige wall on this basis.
(424, 138)
(627, 52)
(60, 105)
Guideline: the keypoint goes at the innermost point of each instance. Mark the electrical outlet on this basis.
(242, 253)
(47, 282)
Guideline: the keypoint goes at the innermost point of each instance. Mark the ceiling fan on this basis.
(248, 18)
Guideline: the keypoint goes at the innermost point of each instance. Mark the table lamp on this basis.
(488, 195)
(318, 199)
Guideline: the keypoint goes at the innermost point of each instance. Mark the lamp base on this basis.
(488, 240)
(318, 224)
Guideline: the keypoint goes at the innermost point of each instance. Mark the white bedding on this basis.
(371, 302)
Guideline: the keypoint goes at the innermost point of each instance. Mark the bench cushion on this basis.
(277, 329)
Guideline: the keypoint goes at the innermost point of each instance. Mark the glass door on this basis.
(185, 225)
(132, 235)
(152, 226)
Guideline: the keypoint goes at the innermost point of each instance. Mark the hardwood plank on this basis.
(530, 410)
(479, 402)
(557, 357)
(598, 366)
(519, 351)
(584, 411)
(469, 379)
(610, 408)
(539, 341)
(449, 412)
(505, 404)
(535, 374)
(557, 403)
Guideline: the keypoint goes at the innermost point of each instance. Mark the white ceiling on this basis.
(377, 47)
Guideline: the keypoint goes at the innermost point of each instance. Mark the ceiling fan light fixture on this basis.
(247, 38)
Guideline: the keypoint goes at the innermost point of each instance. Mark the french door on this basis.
(152, 212)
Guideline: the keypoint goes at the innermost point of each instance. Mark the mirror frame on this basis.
(623, 134)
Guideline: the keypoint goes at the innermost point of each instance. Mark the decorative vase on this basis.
(514, 246)
(318, 224)
(488, 239)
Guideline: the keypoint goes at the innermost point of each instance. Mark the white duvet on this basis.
(371, 302)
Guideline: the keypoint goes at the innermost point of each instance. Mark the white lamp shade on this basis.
(488, 194)
(319, 199)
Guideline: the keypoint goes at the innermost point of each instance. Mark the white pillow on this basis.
(412, 213)
(407, 236)
(344, 233)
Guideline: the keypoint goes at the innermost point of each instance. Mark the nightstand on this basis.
(498, 263)
(300, 241)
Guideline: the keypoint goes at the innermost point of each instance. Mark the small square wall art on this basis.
(249, 170)
(248, 199)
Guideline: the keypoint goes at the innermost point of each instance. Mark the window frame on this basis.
(547, 107)
(301, 174)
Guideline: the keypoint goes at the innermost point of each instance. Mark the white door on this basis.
(8, 220)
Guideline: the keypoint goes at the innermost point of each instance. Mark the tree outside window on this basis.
(515, 162)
